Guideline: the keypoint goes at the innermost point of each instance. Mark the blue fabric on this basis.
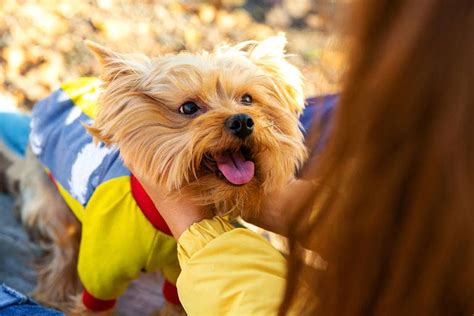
(14, 131)
(13, 303)
(318, 113)
(62, 145)
(318, 108)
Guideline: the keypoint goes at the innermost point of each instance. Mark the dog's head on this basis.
(220, 127)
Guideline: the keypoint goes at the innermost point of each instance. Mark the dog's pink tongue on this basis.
(235, 168)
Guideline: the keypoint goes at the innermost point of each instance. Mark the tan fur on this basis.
(52, 225)
(139, 113)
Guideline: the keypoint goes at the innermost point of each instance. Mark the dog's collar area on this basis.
(147, 207)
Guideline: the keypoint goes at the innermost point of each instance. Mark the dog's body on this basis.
(219, 128)
(120, 226)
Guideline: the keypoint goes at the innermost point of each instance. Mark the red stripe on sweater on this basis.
(148, 208)
(95, 304)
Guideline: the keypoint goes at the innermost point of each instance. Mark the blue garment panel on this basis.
(14, 131)
(61, 143)
(319, 112)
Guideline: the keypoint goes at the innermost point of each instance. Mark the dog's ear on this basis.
(101, 53)
(115, 65)
(270, 55)
(121, 74)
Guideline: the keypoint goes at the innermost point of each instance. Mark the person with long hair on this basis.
(382, 220)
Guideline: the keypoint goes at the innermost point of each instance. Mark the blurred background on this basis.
(41, 41)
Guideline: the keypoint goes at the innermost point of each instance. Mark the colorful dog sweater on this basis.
(122, 232)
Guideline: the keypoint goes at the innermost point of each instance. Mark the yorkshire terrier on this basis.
(219, 128)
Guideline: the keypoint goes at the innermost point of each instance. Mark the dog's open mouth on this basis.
(236, 167)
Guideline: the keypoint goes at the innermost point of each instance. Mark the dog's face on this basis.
(220, 127)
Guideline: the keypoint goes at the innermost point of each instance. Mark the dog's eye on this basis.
(188, 108)
(246, 99)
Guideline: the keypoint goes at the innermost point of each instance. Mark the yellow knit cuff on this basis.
(198, 235)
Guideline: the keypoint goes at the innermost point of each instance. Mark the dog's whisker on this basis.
(276, 118)
(270, 125)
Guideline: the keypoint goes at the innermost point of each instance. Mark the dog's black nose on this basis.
(240, 125)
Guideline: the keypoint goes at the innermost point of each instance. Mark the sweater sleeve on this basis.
(115, 244)
(228, 271)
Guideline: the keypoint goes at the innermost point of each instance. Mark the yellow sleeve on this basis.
(228, 271)
(116, 240)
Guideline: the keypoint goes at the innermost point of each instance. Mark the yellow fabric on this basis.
(228, 271)
(118, 242)
(84, 92)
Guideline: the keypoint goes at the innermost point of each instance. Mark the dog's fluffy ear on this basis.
(102, 53)
(270, 55)
(115, 65)
(121, 74)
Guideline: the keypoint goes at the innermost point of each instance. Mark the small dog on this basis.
(219, 128)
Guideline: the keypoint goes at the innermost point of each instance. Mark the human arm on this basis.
(228, 271)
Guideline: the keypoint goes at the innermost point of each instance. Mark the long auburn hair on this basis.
(392, 210)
